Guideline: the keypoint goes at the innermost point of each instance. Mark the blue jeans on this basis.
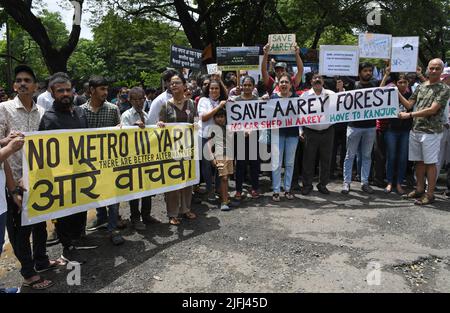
(111, 217)
(2, 231)
(287, 147)
(355, 137)
(396, 154)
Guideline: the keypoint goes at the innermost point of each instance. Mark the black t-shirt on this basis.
(57, 119)
(368, 123)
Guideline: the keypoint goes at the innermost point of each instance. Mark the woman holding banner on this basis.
(397, 137)
(248, 86)
(179, 109)
(284, 143)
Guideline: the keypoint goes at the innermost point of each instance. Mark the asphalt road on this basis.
(315, 243)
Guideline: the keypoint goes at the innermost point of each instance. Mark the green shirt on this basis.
(425, 95)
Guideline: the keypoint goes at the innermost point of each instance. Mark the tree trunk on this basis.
(56, 60)
(191, 29)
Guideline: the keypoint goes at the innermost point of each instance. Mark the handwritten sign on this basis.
(282, 43)
(339, 60)
(185, 57)
(375, 46)
(405, 51)
(212, 68)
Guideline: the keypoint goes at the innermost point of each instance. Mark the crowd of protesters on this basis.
(408, 150)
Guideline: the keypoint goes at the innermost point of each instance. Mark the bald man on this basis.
(428, 102)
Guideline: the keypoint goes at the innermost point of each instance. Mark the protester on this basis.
(318, 140)
(178, 109)
(222, 157)
(284, 143)
(64, 115)
(444, 151)
(272, 85)
(427, 102)
(3, 95)
(250, 157)
(161, 100)
(100, 113)
(45, 99)
(360, 134)
(123, 102)
(7, 181)
(215, 99)
(84, 97)
(150, 95)
(23, 115)
(397, 137)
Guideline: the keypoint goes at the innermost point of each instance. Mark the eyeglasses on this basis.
(179, 82)
(26, 80)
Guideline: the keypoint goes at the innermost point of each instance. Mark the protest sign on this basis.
(375, 46)
(212, 68)
(405, 51)
(237, 58)
(339, 60)
(282, 43)
(355, 105)
(71, 171)
(185, 57)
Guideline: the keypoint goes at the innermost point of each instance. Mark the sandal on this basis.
(52, 264)
(174, 221)
(238, 196)
(39, 284)
(289, 195)
(276, 197)
(255, 194)
(425, 200)
(189, 215)
(413, 195)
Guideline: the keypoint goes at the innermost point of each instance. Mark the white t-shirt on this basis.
(3, 203)
(45, 100)
(205, 105)
(323, 93)
(155, 107)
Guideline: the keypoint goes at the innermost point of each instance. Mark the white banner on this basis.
(405, 52)
(375, 46)
(348, 106)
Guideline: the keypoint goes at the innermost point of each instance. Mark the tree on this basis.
(55, 57)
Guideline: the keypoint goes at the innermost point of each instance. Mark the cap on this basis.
(24, 68)
(280, 64)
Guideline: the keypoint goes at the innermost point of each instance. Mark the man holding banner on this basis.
(428, 103)
(64, 115)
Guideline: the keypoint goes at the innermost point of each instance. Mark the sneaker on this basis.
(345, 189)
(211, 197)
(97, 224)
(72, 255)
(225, 207)
(323, 189)
(116, 238)
(10, 290)
(366, 188)
(138, 225)
(84, 243)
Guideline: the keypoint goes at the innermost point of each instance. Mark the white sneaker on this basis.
(345, 188)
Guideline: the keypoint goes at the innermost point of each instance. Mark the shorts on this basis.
(225, 167)
(424, 147)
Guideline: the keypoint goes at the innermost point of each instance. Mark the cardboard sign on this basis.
(375, 46)
(185, 57)
(282, 43)
(339, 60)
(212, 68)
(237, 58)
(405, 51)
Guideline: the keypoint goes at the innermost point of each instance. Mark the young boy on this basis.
(223, 159)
